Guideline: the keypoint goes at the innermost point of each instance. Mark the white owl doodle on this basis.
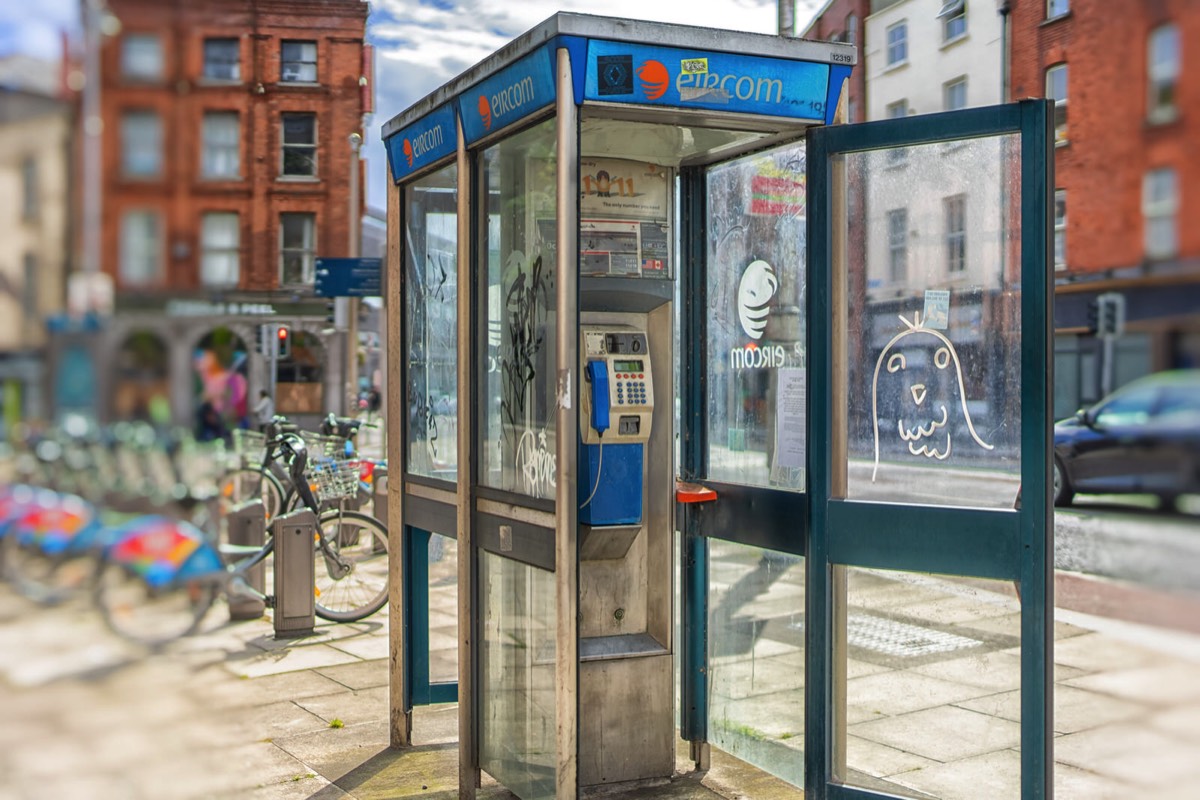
(922, 421)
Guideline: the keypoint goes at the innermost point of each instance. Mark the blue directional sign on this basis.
(349, 277)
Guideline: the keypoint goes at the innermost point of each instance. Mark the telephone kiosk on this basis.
(617, 407)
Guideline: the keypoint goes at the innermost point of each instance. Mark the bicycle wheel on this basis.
(251, 483)
(352, 579)
(47, 580)
(147, 616)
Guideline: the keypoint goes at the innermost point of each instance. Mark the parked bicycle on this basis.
(157, 584)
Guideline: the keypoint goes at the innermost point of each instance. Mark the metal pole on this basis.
(93, 127)
(353, 251)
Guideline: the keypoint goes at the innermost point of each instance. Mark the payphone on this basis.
(617, 407)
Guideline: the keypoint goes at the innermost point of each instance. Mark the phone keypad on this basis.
(631, 389)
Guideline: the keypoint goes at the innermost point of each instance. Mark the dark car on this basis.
(1142, 439)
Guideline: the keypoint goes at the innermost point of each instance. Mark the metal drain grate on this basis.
(901, 639)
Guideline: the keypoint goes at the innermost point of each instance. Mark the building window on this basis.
(956, 232)
(220, 240)
(1056, 90)
(954, 94)
(1160, 201)
(141, 56)
(897, 43)
(1060, 229)
(1056, 8)
(141, 144)
(897, 110)
(29, 288)
(222, 59)
(219, 157)
(852, 29)
(29, 188)
(141, 248)
(299, 145)
(299, 62)
(1163, 69)
(297, 248)
(954, 19)
(897, 244)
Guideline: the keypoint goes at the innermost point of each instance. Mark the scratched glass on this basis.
(933, 333)
(756, 358)
(516, 675)
(517, 399)
(431, 318)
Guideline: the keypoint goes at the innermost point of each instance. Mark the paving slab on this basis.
(944, 733)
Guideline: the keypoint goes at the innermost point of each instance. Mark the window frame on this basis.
(1060, 229)
(897, 242)
(208, 147)
(208, 250)
(128, 117)
(31, 199)
(154, 252)
(901, 44)
(209, 62)
(1160, 209)
(1052, 4)
(29, 285)
(309, 255)
(953, 11)
(143, 37)
(284, 61)
(897, 156)
(1155, 110)
(950, 86)
(954, 209)
(285, 145)
(1060, 129)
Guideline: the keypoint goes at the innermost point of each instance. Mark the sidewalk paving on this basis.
(233, 713)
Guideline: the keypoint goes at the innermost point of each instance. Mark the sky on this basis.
(421, 44)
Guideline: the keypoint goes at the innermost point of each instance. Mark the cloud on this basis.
(422, 44)
(33, 28)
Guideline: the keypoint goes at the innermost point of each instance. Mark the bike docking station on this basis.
(626, 294)
(295, 574)
(247, 525)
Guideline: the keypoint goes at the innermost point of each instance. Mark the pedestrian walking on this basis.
(264, 410)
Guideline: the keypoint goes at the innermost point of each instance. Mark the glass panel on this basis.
(297, 239)
(443, 609)
(141, 143)
(141, 56)
(221, 142)
(219, 242)
(299, 62)
(756, 657)
(141, 247)
(756, 360)
(221, 59)
(932, 685)
(934, 347)
(517, 401)
(516, 674)
(431, 302)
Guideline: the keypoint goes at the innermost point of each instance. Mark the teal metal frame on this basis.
(1015, 545)
(418, 689)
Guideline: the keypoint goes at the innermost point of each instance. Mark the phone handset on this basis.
(597, 371)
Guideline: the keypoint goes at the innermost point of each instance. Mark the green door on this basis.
(929, 573)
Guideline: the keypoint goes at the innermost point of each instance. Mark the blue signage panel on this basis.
(349, 277)
(430, 138)
(510, 95)
(620, 72)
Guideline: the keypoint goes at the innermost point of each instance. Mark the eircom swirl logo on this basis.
(654, 78)
(485, 111)
(408, 152)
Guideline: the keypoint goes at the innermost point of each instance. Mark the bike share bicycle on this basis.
(175, 571)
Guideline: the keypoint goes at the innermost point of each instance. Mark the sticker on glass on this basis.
(937, 309)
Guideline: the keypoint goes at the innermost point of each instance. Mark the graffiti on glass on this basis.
(923, 390)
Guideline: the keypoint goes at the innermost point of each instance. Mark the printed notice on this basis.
(790, 418)
(937, 309)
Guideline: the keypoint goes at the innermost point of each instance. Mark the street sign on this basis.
(349, 277)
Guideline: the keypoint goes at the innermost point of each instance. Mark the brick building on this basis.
(228, 164)
(842, 21)
(1125, 75)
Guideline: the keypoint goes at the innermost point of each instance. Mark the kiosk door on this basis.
(744, 365)
(929, 565)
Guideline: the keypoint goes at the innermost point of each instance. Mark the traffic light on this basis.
(331, 313)
(258, 339)
(283, 342)
(1110, 314)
